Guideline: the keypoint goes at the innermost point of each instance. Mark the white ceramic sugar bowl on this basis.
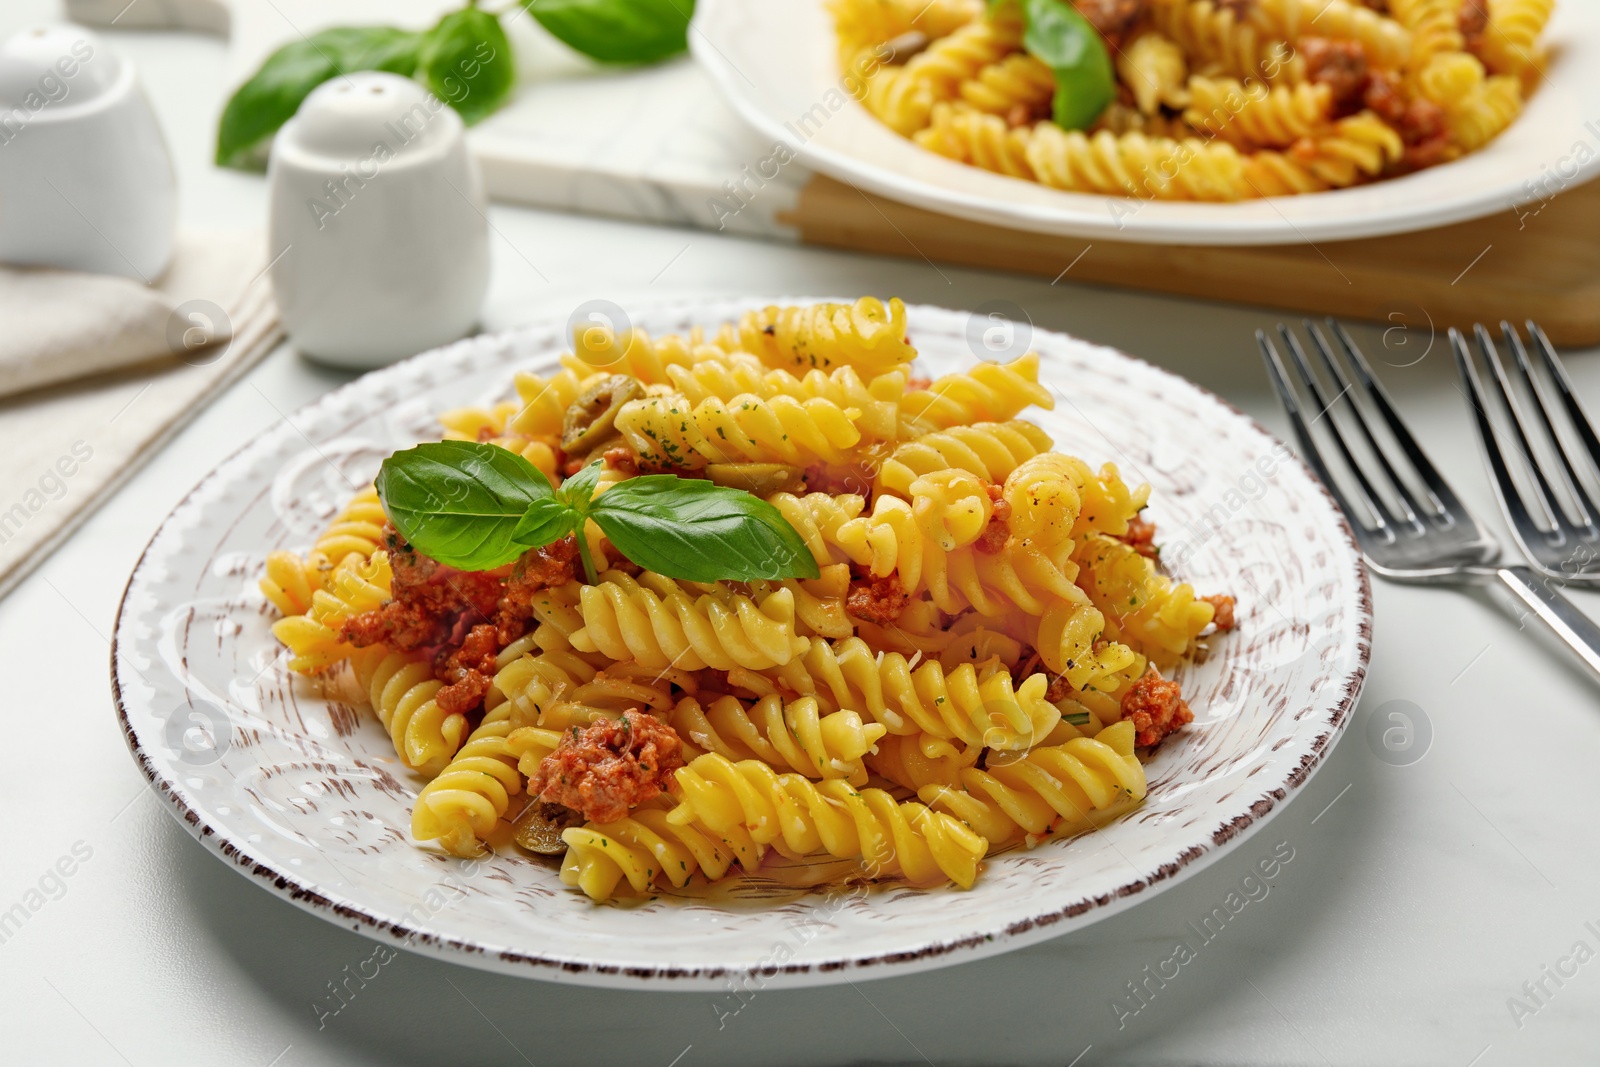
(86, 181)
(377, 221)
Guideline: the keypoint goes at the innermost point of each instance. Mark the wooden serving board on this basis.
(1538, 262)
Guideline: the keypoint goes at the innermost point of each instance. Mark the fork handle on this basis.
(1546, 601)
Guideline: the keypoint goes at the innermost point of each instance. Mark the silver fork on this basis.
(1415, 528)
(1555, 520)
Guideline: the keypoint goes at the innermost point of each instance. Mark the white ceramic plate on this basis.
(776, 62)
(301, 790)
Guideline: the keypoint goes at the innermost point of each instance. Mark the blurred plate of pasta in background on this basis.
(1389, 120)
(292, 779)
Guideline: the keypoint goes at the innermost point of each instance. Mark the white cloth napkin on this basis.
(96, 373)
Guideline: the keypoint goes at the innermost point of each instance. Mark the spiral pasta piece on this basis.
(979, 139)
(1211, 34)
(1046, 497)
(600, 349)
(289, 581)
(478, 423)
(791, 736)
(1070, 639)
(1385, 41)
(975, 705)
(1155, 70)
(929, 543)
(656, 621)
(671, 432)
(402, 690)
(534, 684)
(1050, 785)
(647, 849)
(819, 603)
(1476, 106)
(1511, 42)
(1135, 165)
(1477, 116)
(817, 518)
(1017, 83)
(1435, 29)
(728, 376)
(1254, 114)
(1352, 150)
(1451, 78)
(1143, 607)
(313, 639)
(463, 804)
(900, 759)
(357, 529)
(865, 22)
(869, 335)
(903, 95)
(799, 817)
(990, 450)
(989, 392)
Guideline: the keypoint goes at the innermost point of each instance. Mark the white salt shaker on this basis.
(377, 222)
(86, 181)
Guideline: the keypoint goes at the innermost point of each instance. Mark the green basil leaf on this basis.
(578, 490)
(690, 529)
(460, 502)
(1073, 49)
(466, 61)
(547, 519)
(274, 93)
(618, 31)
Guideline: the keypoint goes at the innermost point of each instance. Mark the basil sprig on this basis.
(1066, 42)
(465, 59)
(618, 31)
(476, 506)
(466, 62)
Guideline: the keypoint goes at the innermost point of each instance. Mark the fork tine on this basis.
(1444, 498)
(1578, 420)
(1385, 515)
(1346, 387)
(1505, 487)
(1544, 495)
(1302, 432)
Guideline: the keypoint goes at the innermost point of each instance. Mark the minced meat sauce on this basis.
(1156, 708)
(608, 768)
(463, 617)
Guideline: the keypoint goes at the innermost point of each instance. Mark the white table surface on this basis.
(1419, 901)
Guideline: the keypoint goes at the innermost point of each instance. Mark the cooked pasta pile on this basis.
(1213, 100)
(974, 667)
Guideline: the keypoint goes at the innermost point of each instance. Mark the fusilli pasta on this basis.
(969, 669)
(797, 817)
(1210, 100)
